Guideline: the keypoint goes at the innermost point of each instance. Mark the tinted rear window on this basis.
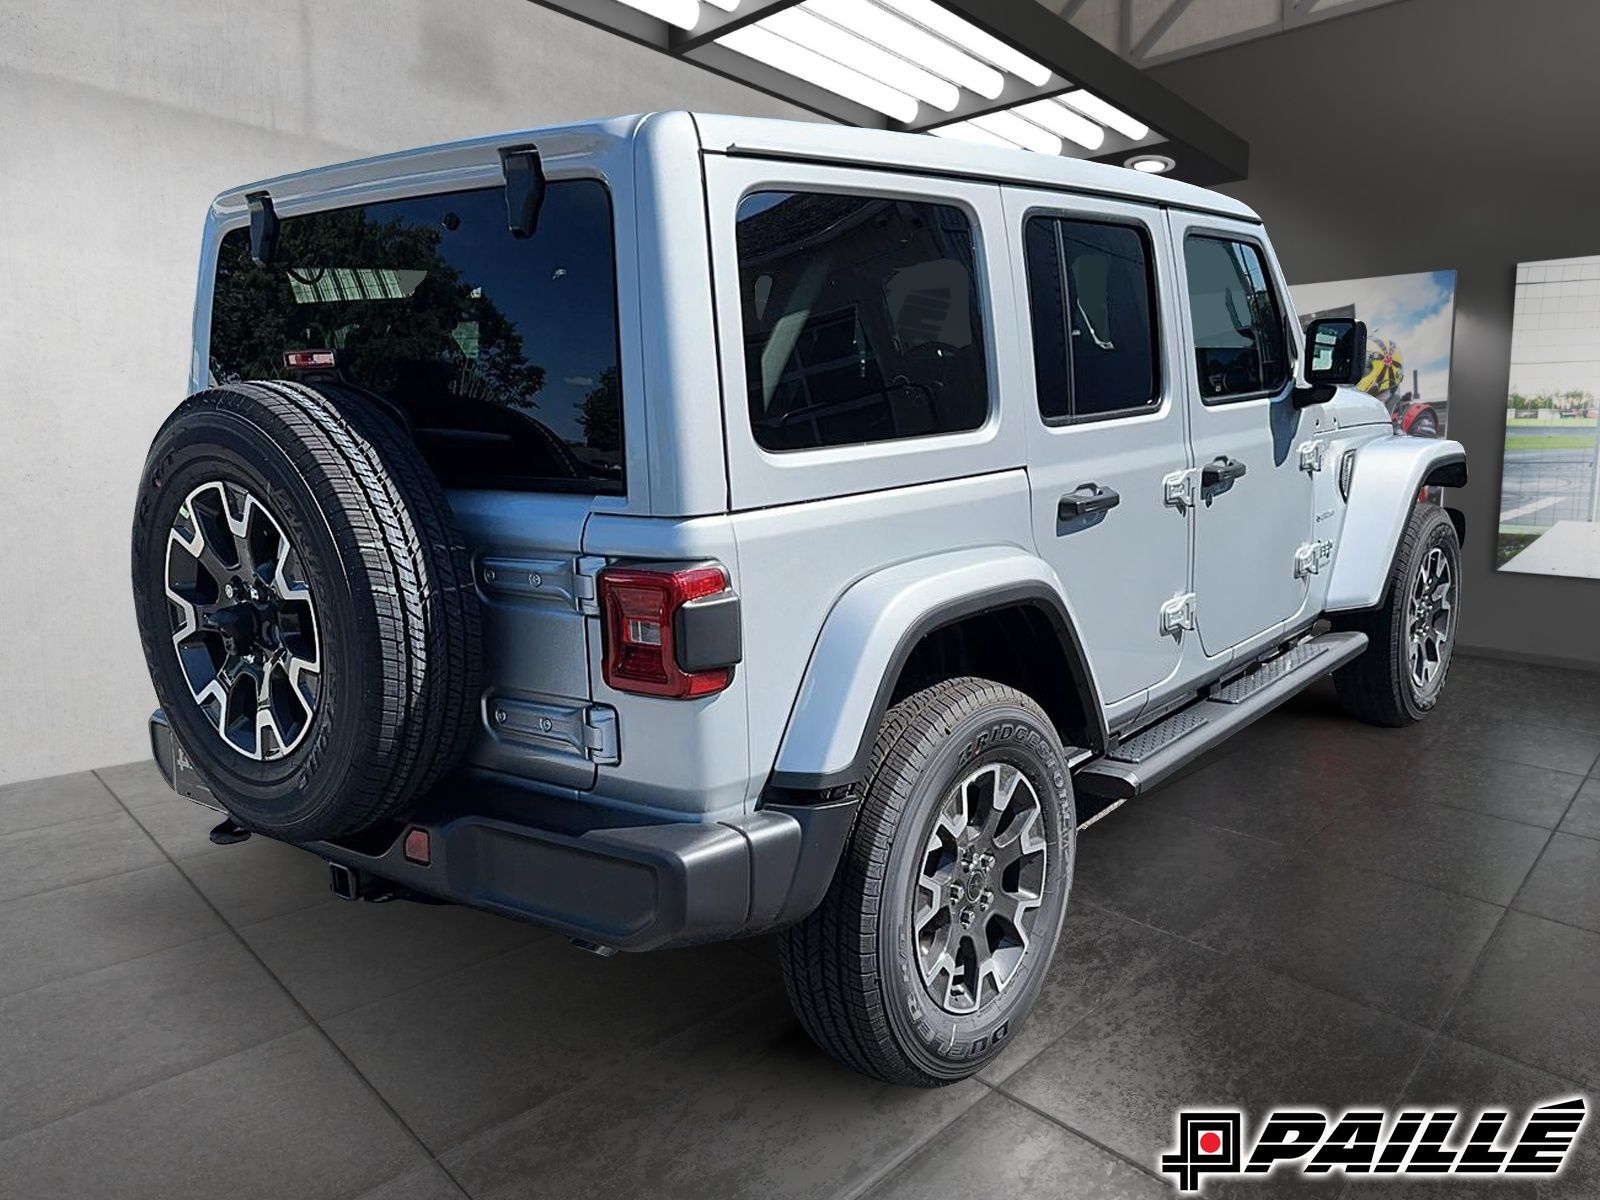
(862, 319)
(502, 351)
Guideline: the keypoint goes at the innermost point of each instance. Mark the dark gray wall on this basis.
(1427, 135)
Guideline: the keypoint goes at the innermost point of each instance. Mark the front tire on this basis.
(934, 939)
(1400, 676)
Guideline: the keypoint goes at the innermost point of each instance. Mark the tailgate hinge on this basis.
(1178, 488)
(1178, 614)
(1312, 455)
(600, 741)
(1310, 558)
(584, 587)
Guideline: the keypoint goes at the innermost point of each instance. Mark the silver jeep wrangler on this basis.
(678, 527)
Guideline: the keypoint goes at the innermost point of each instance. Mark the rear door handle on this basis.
(1221, 469)
(1085, 499)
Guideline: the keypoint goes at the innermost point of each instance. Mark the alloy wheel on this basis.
(244, 621)
(979, 888)
(1431, 617)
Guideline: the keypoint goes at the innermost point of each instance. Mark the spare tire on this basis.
(306, 605)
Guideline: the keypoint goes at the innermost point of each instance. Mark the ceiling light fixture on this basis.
(829, 40)
(1150, 164)
(966, 131)
(1108, 115)
(969, 37)
(1064, 122)
(901, 37)
(754, 41)
(685, 14)
(1024, 133)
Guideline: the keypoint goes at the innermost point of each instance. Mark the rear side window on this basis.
(1091, 292)
(862, 319)
(1239, 339)
(502, 352)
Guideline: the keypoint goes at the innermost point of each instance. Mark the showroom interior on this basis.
(1318, 913)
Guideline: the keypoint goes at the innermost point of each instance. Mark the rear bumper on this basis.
(543, 858)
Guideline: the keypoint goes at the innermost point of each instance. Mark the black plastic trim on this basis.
(706, 633)
(1030, 594)
(1448, 472)
(263, 228)
(525, 188)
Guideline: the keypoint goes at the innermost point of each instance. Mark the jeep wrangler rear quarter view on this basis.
(678, 527)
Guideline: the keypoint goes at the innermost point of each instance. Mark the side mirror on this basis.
(1336, 354)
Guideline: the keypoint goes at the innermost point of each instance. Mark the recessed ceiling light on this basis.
(1150, 164)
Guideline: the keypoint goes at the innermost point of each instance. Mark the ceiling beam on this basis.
(1073, 55)
(1158, 30)
(714, 23)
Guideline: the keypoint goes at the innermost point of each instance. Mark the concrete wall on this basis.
(1428, 135)
(119, 120)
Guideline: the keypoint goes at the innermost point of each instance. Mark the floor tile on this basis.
(340, 955)
(425, 1183)
(1458, 851)
(180, 827)
(71, 930)
(1200, 1029)
(259, 879)
(1565, 885)
(53, 801)
(1562, 699)
(1164, 870)
(1455, 1075)
(743, 1105)
(1399, 946)
(286, 1119)
(1515, 791)
(137, 784)
(95, 1036)
(1583, 818)
(37, 860)
(1534, 745)
(1002, 1151)
(1097, 953)
(1536, 998)
(1258, 796)
(465, 1052)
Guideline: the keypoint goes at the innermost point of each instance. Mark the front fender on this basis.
(1389, 473)
(872, 630)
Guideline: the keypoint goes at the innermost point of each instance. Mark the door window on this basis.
(1091, 291)
(862, 319)
(1240, 345)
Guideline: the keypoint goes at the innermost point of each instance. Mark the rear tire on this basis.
(1400, 676)
(294, 556)
(934, 939)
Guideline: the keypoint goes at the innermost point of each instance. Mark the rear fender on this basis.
(1389, 473)
(872, 630)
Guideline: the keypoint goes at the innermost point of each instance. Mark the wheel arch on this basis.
(1389, 472)
(881, 624)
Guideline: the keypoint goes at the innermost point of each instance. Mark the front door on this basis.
(1254, 505)
(1097, 281)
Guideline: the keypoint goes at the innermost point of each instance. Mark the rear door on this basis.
(1095, 287)
(504, 356)
(1255, 502)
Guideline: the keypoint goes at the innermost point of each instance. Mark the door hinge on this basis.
(600, 741)
(585, 589)
(1178, 614)
(1312, 455)
(1177, 489)
(1310, 558)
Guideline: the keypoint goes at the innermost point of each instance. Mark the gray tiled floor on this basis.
(1323, 913)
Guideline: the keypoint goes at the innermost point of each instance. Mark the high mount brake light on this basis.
(642, 614)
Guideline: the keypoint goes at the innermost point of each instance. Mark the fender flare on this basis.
(872, 630)
(1389, 473)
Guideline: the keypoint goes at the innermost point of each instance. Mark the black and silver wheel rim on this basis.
(244, 622)
(979, 888)
(1431, 616)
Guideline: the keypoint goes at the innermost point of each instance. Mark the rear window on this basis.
(862, 319)
(502, 351)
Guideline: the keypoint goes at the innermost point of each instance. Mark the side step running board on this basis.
(1157, 753)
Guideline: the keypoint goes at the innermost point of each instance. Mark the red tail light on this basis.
(640, 617)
